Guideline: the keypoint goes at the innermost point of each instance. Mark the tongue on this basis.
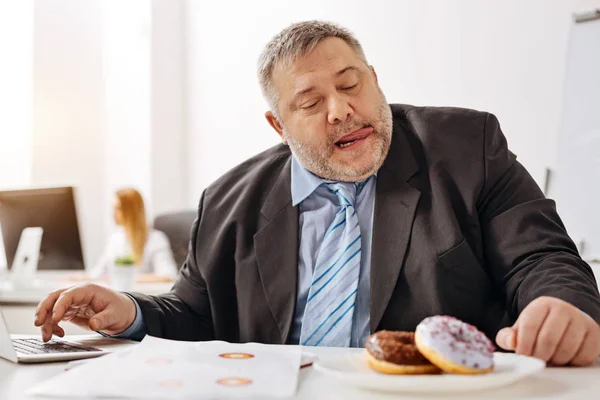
(359, 134)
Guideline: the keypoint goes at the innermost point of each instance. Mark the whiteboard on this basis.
(3, 262)
(576, 179)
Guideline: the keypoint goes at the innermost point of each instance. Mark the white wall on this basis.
(205, 111)
(143, 81)
(69, 122)
(503, 56)
(108, 106)
(16, 42)
(127, 90)
(168, 167)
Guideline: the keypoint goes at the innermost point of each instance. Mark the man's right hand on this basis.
(89, 306)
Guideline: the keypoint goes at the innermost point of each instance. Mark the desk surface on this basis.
(552, 383)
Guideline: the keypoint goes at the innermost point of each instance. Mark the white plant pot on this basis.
(122, 277)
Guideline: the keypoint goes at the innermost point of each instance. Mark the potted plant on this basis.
(122, 273)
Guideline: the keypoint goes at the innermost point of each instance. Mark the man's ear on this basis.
(374, 73)
(275, 124)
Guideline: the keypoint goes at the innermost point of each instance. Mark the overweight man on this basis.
(367, 216)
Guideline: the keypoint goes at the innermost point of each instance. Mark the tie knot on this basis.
(345, 192)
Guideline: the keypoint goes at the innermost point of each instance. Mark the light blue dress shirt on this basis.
(317, 208)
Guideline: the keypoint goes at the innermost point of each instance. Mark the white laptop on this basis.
(29, 349)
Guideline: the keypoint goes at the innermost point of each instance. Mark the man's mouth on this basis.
(354, 137)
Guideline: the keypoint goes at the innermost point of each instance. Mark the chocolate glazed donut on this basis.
(394, 352)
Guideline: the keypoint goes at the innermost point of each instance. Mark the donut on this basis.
(393, 352)
(454, 346)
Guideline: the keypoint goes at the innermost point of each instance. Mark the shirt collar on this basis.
(305, 182)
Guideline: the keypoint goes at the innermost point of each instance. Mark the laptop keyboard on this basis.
(37, 346)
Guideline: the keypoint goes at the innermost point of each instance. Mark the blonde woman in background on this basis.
(149, 248)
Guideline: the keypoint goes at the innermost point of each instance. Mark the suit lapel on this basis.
(276, 246)
(395, 204)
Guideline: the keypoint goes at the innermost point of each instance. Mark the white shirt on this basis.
(157, 257)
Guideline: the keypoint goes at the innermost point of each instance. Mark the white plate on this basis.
(354, 370)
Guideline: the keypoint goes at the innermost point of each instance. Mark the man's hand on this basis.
(554, 331)
(88, 306)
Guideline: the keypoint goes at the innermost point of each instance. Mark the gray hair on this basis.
(296, 41)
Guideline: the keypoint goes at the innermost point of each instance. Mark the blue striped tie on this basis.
(330, 303)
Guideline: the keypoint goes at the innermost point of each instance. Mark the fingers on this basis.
(79, 305)
(47, 328)
(71, 297)
(589, 350)
(51, 310)
(45, 306)
(528, 325)
(552, 333)
(507, 338)
(82, 310)
(58, 331)
(102, 320)
(571, 341)
(556, 332)
(81, 322)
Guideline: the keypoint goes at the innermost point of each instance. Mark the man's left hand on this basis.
(554, 331)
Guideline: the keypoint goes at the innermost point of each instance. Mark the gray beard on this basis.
(319, 164)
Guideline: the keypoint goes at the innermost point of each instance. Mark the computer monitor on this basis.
(52, 209)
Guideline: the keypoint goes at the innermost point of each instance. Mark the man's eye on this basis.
(309, 106)
(350, 87)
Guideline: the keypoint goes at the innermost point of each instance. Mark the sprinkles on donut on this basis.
(455, 346)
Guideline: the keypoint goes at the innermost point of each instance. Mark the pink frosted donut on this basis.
(445, 338)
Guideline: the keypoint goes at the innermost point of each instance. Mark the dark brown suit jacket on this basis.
(459, 228)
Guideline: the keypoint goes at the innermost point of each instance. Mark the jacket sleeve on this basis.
(526, 247)
(183, 313)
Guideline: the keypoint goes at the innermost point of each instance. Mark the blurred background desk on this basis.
(18, 305)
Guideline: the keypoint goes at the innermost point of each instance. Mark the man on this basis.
(367, 217)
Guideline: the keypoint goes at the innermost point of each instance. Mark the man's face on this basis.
(333, 114)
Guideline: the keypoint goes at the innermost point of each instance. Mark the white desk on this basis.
(18, 305)
(552, 383)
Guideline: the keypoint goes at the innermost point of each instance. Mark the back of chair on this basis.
(177, 226)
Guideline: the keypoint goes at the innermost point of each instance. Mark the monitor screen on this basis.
(52, 209)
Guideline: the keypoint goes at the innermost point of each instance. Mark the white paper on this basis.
(160, 368)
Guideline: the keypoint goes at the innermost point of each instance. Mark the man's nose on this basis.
(340, 110)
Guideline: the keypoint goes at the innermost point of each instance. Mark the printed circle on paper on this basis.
(234, 381)
(171, 384)
(236, 356)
